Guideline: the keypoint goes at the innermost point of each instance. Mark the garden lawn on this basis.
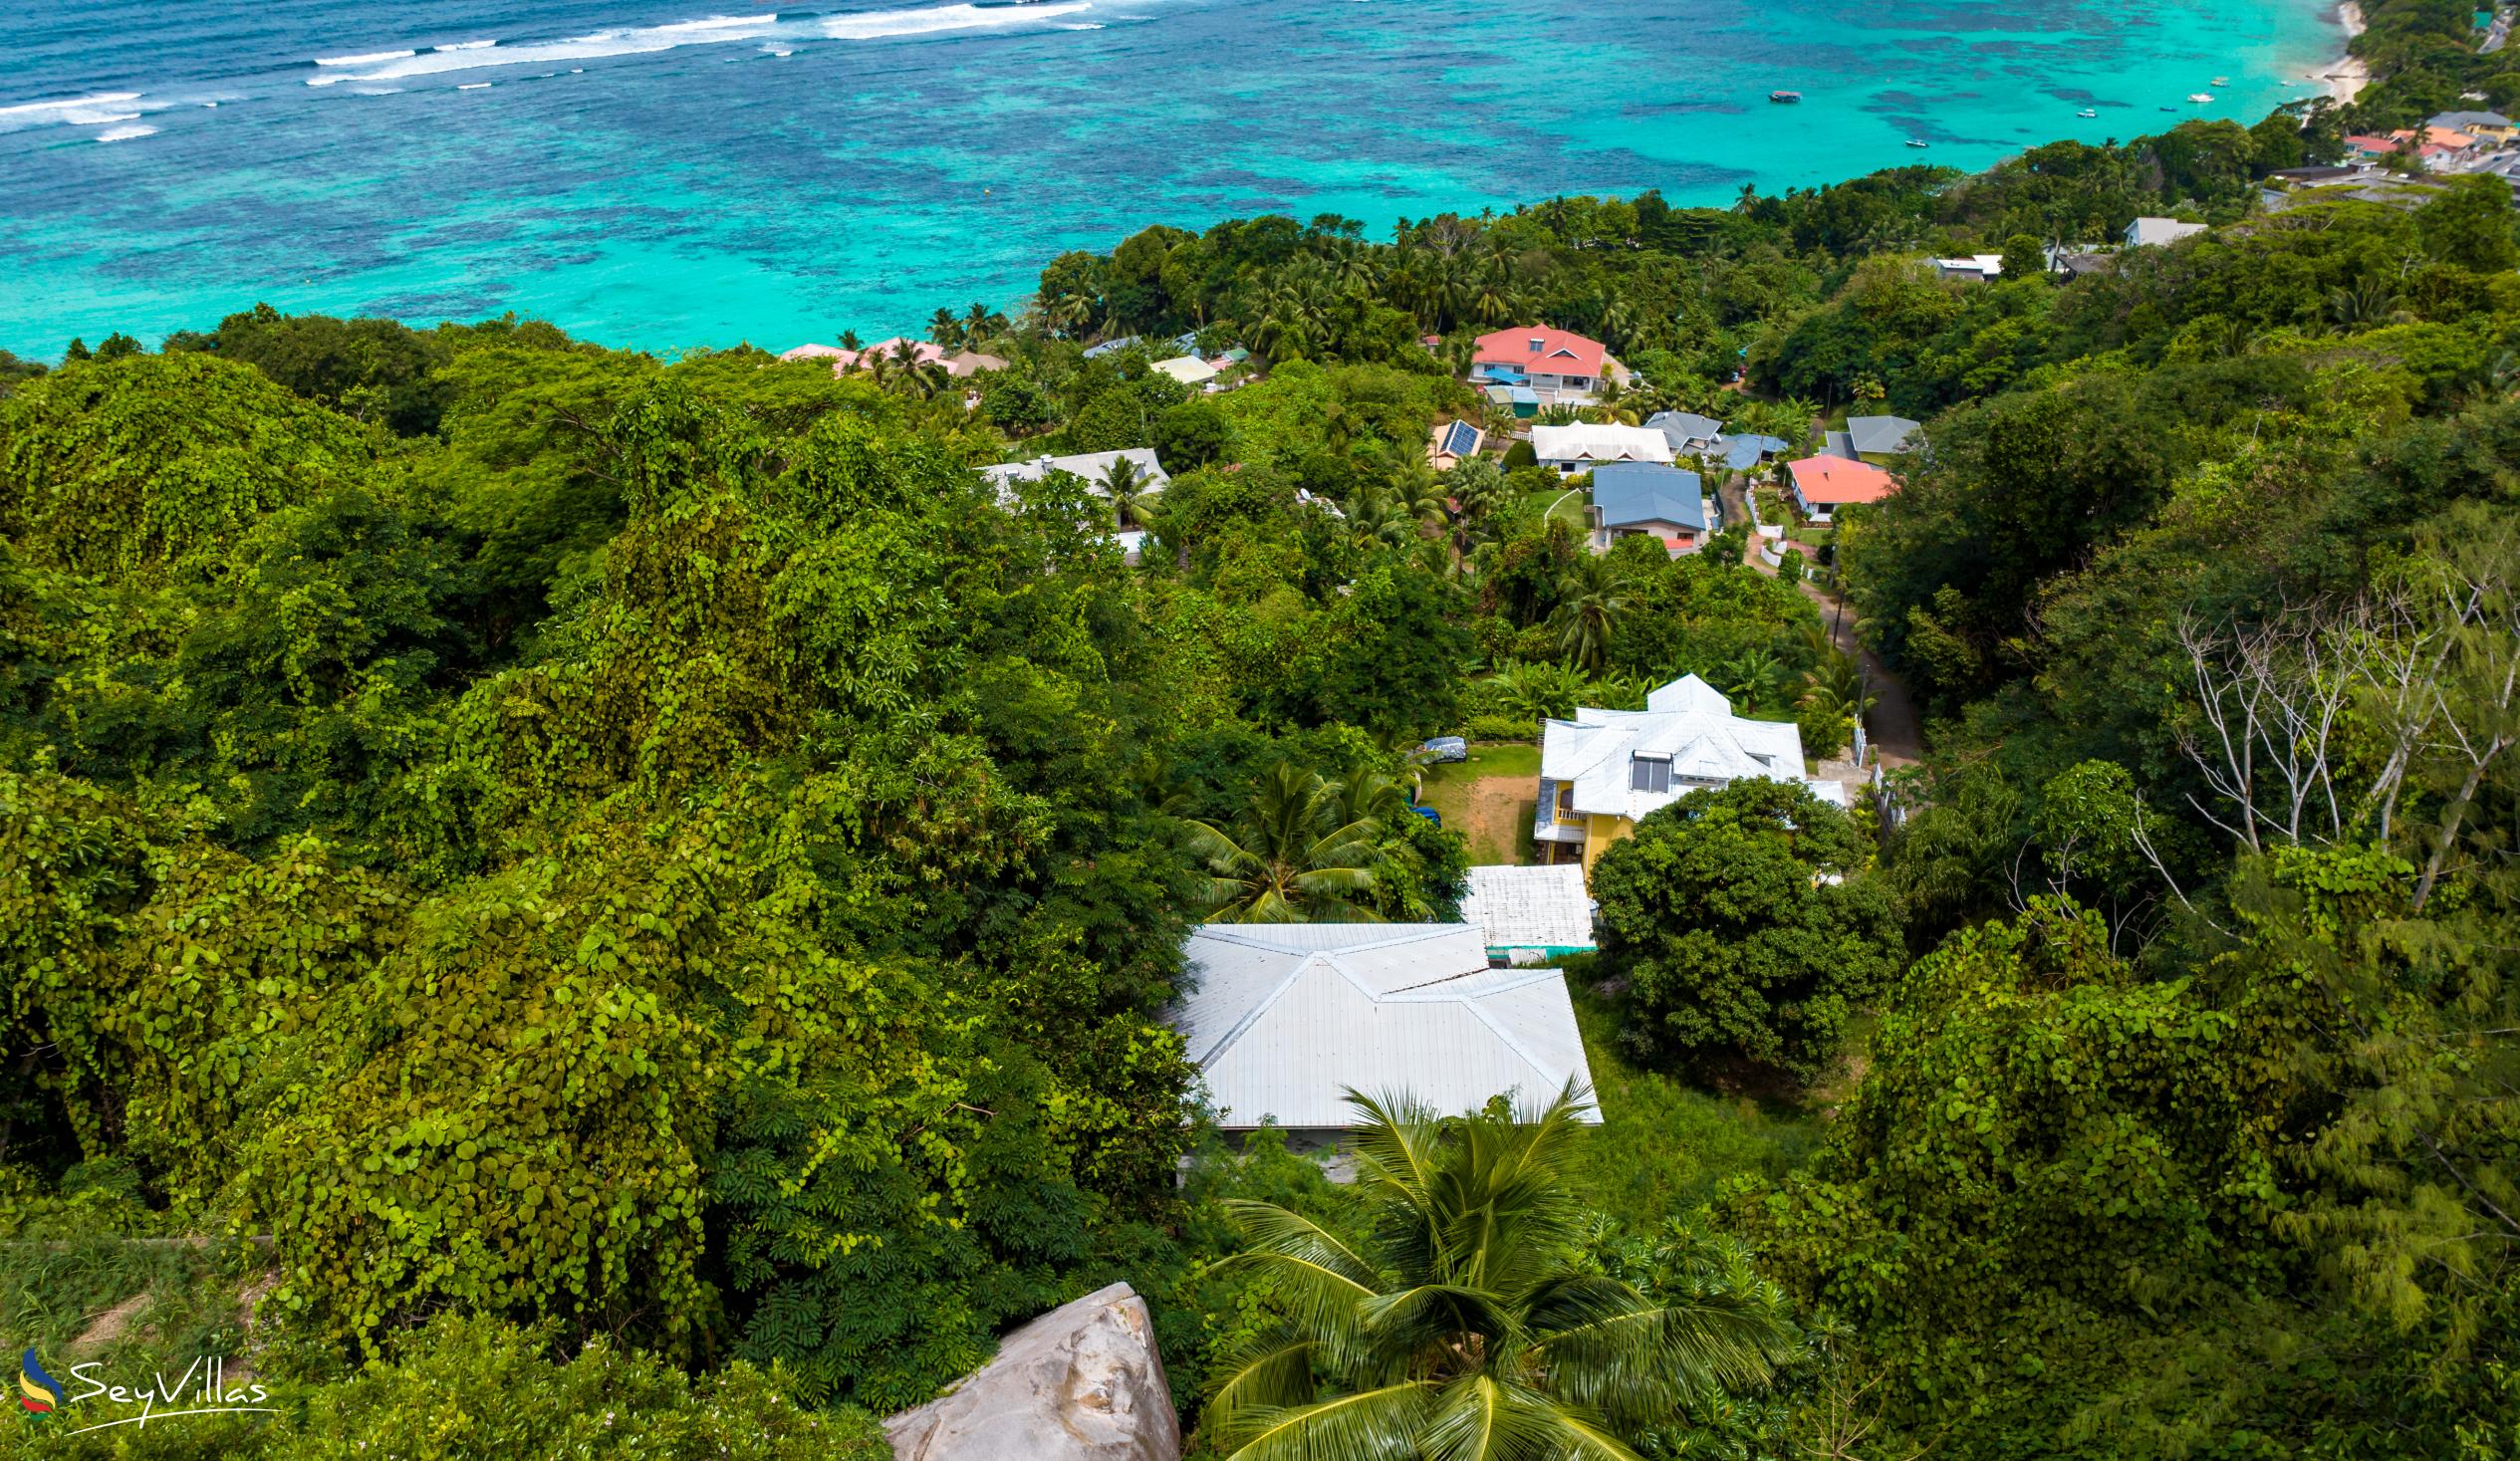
(1572, 504)
(1490, 799)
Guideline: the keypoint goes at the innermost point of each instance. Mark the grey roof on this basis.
(1626, 493)
(1684, 428)
(1281, 1018)
(1883, 434)
(1838, 444)
(1093, 466)
(2462, 121)
(1530, 907)
(1742, 452)
(1109, 346)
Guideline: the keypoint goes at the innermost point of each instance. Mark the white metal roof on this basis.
(1095, 467)
(1687, 722)
(1188, 369)
(1530, 907)
(1282, 1017)
(1586, 441)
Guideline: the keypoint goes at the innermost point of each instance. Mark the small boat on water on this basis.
(1785, 96)
(1916, 142)
(2200, 96)
(2086, 113)
(2223, 81)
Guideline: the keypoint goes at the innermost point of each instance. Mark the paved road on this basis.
(1892, 724)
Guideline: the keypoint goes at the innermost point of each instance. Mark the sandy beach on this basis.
(2346, 79)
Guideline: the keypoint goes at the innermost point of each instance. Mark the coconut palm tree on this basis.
(1458, 1320)
(1289, 859)
(980, 323)
(944, 329)
(1126, 483)
(1592, 600)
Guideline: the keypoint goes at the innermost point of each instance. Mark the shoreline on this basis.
(2346, 78)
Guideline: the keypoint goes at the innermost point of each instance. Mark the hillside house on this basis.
(1282, 1017)
(1605, 769)
(1583, 446)
(1820, 485)
(1648, 499)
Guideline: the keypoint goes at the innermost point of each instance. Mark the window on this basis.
(1650, 774)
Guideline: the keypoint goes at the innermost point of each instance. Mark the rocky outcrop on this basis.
(1081, 1383)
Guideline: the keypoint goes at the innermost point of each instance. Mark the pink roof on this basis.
(922, 351)
(1832, 480)
(2443, 137)
(1541, 350)
(2368, 143)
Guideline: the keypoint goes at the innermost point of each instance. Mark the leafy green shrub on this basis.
(1745, 926)
(474, 1390)
(1499, 727)
(152, 458)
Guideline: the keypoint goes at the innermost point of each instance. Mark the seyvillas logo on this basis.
(38, 1393)
(202, 1390)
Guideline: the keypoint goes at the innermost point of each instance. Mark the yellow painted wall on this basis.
(1598, 833)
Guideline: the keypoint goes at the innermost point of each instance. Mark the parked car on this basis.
(1443, 749)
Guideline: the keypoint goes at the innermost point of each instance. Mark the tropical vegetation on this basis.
(657, 886)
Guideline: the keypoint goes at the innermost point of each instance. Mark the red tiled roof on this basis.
(1834, 481)
(1538, 348)
(2368, 143)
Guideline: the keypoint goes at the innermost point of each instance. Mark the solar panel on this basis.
(1461, 439)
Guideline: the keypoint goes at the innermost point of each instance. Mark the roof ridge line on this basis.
(1262, 1006)
(1497, 1027)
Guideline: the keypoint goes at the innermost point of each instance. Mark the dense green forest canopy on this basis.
(659, 881)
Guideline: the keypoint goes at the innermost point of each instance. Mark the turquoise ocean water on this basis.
(653, 173)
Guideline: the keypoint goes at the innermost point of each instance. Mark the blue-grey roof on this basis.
(1742, 452)
(2462, 121)
(1682, 427)
(1839, 444)
(1109, 346)
(1649, 492)
(1880, 433)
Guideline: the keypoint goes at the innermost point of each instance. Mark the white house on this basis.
(1095, 467)
(2147, 233)
(1584, 447)
(1281, 1018)
(1188, 369)
(1605, 769)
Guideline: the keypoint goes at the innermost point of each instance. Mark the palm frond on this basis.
(1275, 1229)
(1479, 1418)
(1272, 1374)
(1381, 1424)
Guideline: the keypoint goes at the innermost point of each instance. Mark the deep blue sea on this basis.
(651, 173)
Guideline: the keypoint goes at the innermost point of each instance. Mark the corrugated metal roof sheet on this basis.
(1283, 1017)
(1530, 907)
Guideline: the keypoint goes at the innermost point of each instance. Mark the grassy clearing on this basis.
(1664, 1147)
(1490, 799)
